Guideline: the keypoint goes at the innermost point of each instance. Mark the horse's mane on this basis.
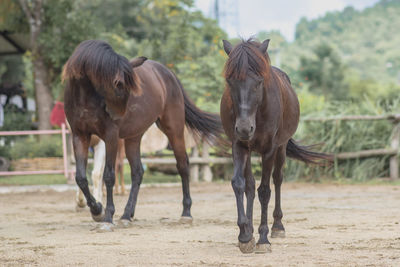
(244, 58)
(97, 61)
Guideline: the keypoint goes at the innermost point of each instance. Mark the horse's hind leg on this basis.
(99, 159)
(132, 148)
(119, 169)
(81, 145)
(277, 229)
(174, 129)
(80, 200)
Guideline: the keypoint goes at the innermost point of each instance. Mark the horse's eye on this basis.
(119, 92)
(120, 86)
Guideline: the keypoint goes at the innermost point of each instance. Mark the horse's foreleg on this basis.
(240, 158)
(132, 150)
(250, 193)
(81, 145)
(109, 178)
(277, 228)
(264, 195)
(98, 169)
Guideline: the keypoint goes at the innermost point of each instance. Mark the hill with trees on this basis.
(363, 44)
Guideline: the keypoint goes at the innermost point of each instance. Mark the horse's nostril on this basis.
(251, 129)
(236, 129)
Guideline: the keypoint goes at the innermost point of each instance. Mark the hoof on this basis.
(186, 220)
(275, 233)
(263, 248)
(80, 204)
(124, 223)
(105, 227)
(99, 217)
(247, 247)
(79, 208)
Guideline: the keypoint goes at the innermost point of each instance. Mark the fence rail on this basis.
(63, 131)
(394, 141)
(201, 163)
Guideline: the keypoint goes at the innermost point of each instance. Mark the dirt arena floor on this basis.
(326, 225)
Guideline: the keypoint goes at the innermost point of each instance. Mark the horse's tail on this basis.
(305, 154)
(203, 124)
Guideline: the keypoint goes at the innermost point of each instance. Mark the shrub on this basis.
(33, 147)
(347, 136)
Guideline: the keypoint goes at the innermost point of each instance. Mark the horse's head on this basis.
(116, 97)
(246, 72)
(111, 75)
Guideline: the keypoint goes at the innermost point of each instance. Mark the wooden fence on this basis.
(394, 141)
(200, 161)
(63, 131)
(200, 164)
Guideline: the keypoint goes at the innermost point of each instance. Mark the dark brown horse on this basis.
(114, 98)
(259, 112)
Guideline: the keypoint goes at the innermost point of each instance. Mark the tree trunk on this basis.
(43, 97)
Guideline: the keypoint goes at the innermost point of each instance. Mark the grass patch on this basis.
(43, 179)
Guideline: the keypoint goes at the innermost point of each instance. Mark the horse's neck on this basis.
(272, 99)
(85, 92)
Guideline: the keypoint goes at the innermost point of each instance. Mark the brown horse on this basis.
(259, 112)
(114, 98)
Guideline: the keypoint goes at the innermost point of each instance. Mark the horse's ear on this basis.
(264, 46)
(227, 47)
(136, 62)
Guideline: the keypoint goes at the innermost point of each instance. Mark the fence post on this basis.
(65, 155)
(205, 168)
(194, 168)
(394, 160)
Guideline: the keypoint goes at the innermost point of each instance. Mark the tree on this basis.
(324, 73)
(33, 11)
(55, 28)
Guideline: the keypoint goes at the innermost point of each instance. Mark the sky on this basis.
(283, 15)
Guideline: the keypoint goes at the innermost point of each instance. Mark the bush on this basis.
(347, 136)
(33, 147)
(15, 119)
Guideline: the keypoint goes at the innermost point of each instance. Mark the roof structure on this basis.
(13, 43)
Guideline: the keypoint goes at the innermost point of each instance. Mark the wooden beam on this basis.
(20, 50)
(394, 117)
(366, 153)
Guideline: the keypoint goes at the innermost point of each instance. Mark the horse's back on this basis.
(160, 89)
(290, 103)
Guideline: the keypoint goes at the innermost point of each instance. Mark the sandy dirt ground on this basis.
(326, 225)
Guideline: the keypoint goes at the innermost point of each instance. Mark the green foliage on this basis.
(365, 40)
(173, 33)
(43, 179)
(11, 69)
(325, 73)
(202, 78)
(15, 120)
(33, 147)
(12, 17)
(66, 25)
(347, 136)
